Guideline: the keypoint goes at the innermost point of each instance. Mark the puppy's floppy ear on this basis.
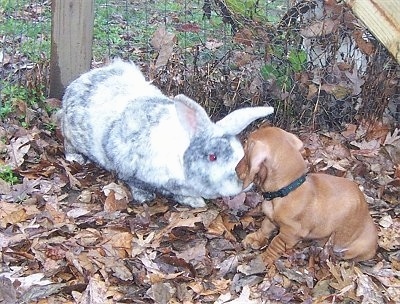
(252, 163)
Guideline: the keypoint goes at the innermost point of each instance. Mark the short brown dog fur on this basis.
(323, 208)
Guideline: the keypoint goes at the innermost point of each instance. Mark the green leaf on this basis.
(269, 71)
(298, 60)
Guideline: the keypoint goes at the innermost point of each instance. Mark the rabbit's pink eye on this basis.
(212, 157)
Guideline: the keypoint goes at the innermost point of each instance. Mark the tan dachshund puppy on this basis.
(303, 206)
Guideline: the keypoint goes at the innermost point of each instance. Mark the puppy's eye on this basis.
(212, 157)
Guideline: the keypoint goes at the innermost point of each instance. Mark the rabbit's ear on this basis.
(190, 114)
(199, 110)
(238, 120)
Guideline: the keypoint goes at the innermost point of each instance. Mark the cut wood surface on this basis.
(382, 17)
(71, 45)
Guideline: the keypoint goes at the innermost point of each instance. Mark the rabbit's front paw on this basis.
(79, 158)
(71, 154)
(195, 202)
(142, 196)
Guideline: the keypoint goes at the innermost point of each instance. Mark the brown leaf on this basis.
(389, 233)
(95, 292)
(119, 269)
(213, 44)
(185, 219)
(177, 263)
(77, 212)
(255, 266)
(355, 78)
(121, 241)
(11, 240)
(392, 146)
(116, 198)
(26, 282)
(240, 58)
(245, 297)
(246, 221)
(161, 292)
(350, 132)
(312, 91)
(209, 288)
(387, 275)
(366, 47)
(14, 218)
(195, 252)
(319, 28)
(42, 169)
(236, 203)
(140, 243)
(8, 294)
(154, 273)
(189, 27)
(321, 290)
(337, 90)
(244, 36)
(164, 43)
(344, 279)
(337, 151)
(367, 148)
(73, 181)
(17, 150)
(57, 216)
(221, 227)
(392, 138)
(397, 171)
(20, 192)
(367, 289)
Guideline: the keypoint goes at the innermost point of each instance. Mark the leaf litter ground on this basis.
(68, 233)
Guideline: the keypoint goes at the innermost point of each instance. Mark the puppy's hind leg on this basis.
(258, 239)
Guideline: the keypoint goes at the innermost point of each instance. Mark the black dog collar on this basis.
(285, 190)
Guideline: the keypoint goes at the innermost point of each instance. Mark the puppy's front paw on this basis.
(269, 264)
(268, 260)
(254, 240)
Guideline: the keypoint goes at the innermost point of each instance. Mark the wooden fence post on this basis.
(71, 42)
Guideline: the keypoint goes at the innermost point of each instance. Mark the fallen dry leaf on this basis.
(356, 80)
(14, 218)
(367, 289)
(17, 150)
(164, 43)
(366, 148)
(196, 252)
(222, 227)
(367, 47)
(95, 292)
(7, 291)
(161, 292)
(319, 28)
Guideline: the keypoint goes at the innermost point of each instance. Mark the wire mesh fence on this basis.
(24, 52)
(312, 60)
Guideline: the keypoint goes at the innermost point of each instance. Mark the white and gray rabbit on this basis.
(114, 117)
